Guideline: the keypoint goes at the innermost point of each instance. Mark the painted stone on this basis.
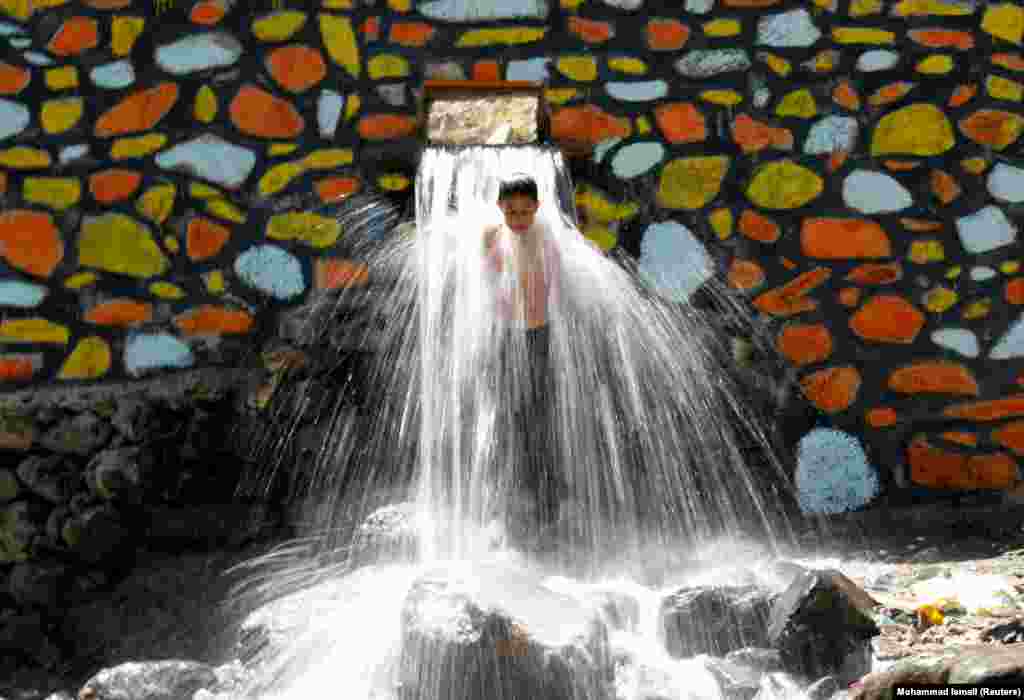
(199, 52)
(804, 343)
(681, 122)
(76, 35)
(640, 91)
(154, 351)
(983, 274)
(278, 26)
(340, 41)
(793, 29)
(329, 108)
(272, 271)
(387, 66)
(934, 377)
(992, 410)
(210, 158)
(124, 32)
(710, 63)
(91, 359)
(531, 70)
(33, 330)
(307, 227)
(14, 118)
(839, 239)
(1011, 344)
(24, 295)
(166, 290)
(58, 116)
(579, 68)
(877, 60)
(871, 192)
(792, 298)
(862, 35)
(783, 184)
(13, 79)
(122, 313)
(754, 136)
(337, 273)
(938, 468)
(833, 474)
(887, 318)
(113, 76)
(25, 158)
(54, 192)
(140, 111)
(832, 135)
(992, 127)
(500, 36)
(1004, 21)
(745, 275)
(832, 390)
(1006, 183)
(986, 229)
(691, 183)
(798, 103)
(296, 68)
(118, 243)
(587, 124)
(214, 320)
(665, 34)
(30, 241)
(471, 11)
(1010, 436)
(920, 129)
(137, 146)
(722, 28)
(758, 227)
(673, 260)
(256, 112)
(69, 154)
(637, 158)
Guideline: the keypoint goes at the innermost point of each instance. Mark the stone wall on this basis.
(850, 165)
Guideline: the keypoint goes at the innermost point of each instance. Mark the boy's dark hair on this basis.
(518, 184)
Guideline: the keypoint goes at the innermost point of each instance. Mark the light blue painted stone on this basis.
(830, 135)
(709, 63)
(601, 149)
(75, 151)
(21, 294)
(959, 340)
(637, 159)
(877, 60)
(833, 474)
(762, 96)
(982, 273)
(637, 91)
(986, 229)
(199, 52)
(8, 29)
(699, 7)
(147, 352)
(328, 112)
(794, 29)
(37, 59)
(1011, 345)
(673, 261)
(272, 270)
(871, 192)
(534, 70)
(1006, 183)
(113, 76)
(477, 11)
(14, 117)
(212, 158)
(20, 42)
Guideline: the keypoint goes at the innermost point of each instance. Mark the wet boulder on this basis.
(149, 680)
(389, 534)
(988, 665)
(764, 660)
(714, 620)
(737, 681)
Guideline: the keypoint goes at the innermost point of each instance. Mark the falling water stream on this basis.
(647, 444)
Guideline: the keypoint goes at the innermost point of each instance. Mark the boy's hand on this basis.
(490, 235)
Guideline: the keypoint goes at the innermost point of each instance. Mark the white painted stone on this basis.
(14, 118)
(985, 230)
(709, 63)
(877, 60)
(156, 351)
(328, 112)
(1006, 183)
(793, 29)
(699, 7)
(211, 158)
(959, 340)
(1011, 345)
(762, 96)
(981, 274)
(637, 158)
(831, 134)
(673, 260)
(199, 52)
(113, 76)
(24, 295)
(483, 10)
(833, 474)
(20, 42)
(272, 270)
(8, 29)
(618, 4)
(871, 192)
(637, 91)
(37, 59)
(534, 70)
(75, 151)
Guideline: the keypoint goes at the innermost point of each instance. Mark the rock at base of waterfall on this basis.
(989, 665)
(714, 620)
(149, 680)
(389, 534)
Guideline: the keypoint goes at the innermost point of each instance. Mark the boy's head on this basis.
(518, 201)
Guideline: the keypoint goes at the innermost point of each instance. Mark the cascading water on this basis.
(644, 451)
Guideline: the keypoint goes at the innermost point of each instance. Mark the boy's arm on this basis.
(492, 258)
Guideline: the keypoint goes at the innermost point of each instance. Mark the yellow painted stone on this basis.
(690, 183)
(90, 359)
(352, 105)
(33, 330)
(560, 96)
(387, 66)
(214, 281)
(500, 36)
(337, 4)
(977, 309)
(783, 184)
(278, 26)
(166, 290)
(602, 236)
(926, 251)
(157, 203)
(940, 299)
(24, 158)
(643, 125)
(824, 61)
(571, 4)
(80, 280)
(628, 65)
(125, 30)
(400, 5)
(722, 27)
(938, 8)
(1002, 88)
(601, 209)
(200, 190)
(118, 243)
(171, 244)
(62, 78)
(938, 64)
(340, 40)
(778, 65)
(862, 35)
(57, 116)
(225, 210)
(726, 98)
(1004, 21)
(579, 68)
(19, 9)
(1010, 267)
(799, 103)
(975, 166)
(206, 105)
(55, 192)
(281, 149)
(394, 182)
(318, 231)
(137, 146)
(827, 5)
(954, 272)
(920, 129)
(721, 221)
(279, 177)
(329, 158)
(864, 8)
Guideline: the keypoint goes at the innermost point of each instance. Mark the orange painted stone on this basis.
(942, 39)
(758, 227)
(995, 409)
(938, 468)
(962, 95)
(207, 13)
(120, 312)
(1011, 436)
(944, 186)
(804, 343)
(591, 31)
(960, 437)
(791, 298)
(1015, 291)
(114, 185)
(888, 318)
(837, 160)
(832, 390)
(13, 79)
(256, 112)
(214, 320)
(992, 127)
(335, 273)
(1009, 61)
(745, 275)
(787, 263)
(753, 136)
(296, 68)
(666, 34)
(681, 122)
(487, 71)
(381, 127)
(881, 417)
(76, 35)
(901, 165)
(887, 94)
(139, 111)
(846, 96)
(841, 239)
(875, 273)
(849, 296)
(920, 225)
(934, 377)
(205, 238)
(3, 182)
(371, 29)
(30, 241)
(16, 368)
(587, 124)
(411, 34)
(333, 189)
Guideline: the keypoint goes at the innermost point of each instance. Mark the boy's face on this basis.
(519, 211)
